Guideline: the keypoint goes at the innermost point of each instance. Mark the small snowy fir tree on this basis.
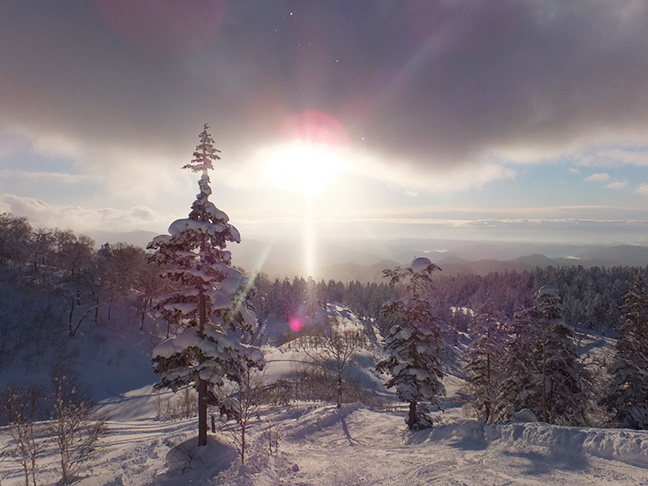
(543, 369)
(485, 359)
(628, 394)
(565, 380)
(517, 367)
(414, 344)
(206, 300)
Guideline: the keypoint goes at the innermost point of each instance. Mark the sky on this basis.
(520, 120)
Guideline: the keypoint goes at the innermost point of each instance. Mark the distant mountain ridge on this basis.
(452, 264)
(347, 260)
(137, 238)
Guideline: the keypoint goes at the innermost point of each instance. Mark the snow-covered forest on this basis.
(89, 315)
(422, 379)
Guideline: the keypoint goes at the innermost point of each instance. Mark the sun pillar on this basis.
(309, 236)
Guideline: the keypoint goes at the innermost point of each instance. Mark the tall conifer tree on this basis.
(414, 344)
(206, 299)
(485, 359)
(628, 394)
(543, 371)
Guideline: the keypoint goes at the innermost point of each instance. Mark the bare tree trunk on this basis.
(70, 317)
(202, 384)
(490, 387)
(202, 412)
(544, 384)
(145, 306)
(243, 445)
(411, 418)
(96, 316)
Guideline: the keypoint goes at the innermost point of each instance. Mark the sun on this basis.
(306, 168)
(309, 158)
(302, 166)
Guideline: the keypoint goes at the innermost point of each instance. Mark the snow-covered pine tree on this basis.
(628, 394)
(543, 369)
(565, 380)
(518, 367)
(206, 299)
(414, 344)
(485, 359)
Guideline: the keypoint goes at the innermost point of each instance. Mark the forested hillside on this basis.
(56, 283)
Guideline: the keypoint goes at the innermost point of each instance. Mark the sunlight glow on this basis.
(309, 238)
(301, 165)
(314, 153)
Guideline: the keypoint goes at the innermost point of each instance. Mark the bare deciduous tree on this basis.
(74, 427)
(334, 346)
(3, 457)
(20, 407)
(250, 395)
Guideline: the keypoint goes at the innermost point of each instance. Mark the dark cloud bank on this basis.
(444, 83)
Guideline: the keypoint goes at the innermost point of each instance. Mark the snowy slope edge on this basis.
(628, 446)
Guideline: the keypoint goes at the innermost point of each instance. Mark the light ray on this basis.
(309, 237)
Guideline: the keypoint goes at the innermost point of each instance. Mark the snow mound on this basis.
(630, 447)
(189, 464)
(420, 264)
(524, 415)
(627, 446)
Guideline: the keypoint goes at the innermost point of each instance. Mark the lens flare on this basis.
(316, 127)
(295, 324)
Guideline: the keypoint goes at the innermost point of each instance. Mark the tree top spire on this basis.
(205, 153)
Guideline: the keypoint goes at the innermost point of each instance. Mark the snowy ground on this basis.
(319, 445)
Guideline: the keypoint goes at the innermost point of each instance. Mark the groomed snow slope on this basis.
(322, 446)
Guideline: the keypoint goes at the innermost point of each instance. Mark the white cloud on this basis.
(411, 177)
(568, 230)
(11, 143)
(59, 177)
(615, 157)
(598, 177)
(124, 170)
(617, 185)
(586, 152)
(437, 178)
(41, 214)
(643, 189)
